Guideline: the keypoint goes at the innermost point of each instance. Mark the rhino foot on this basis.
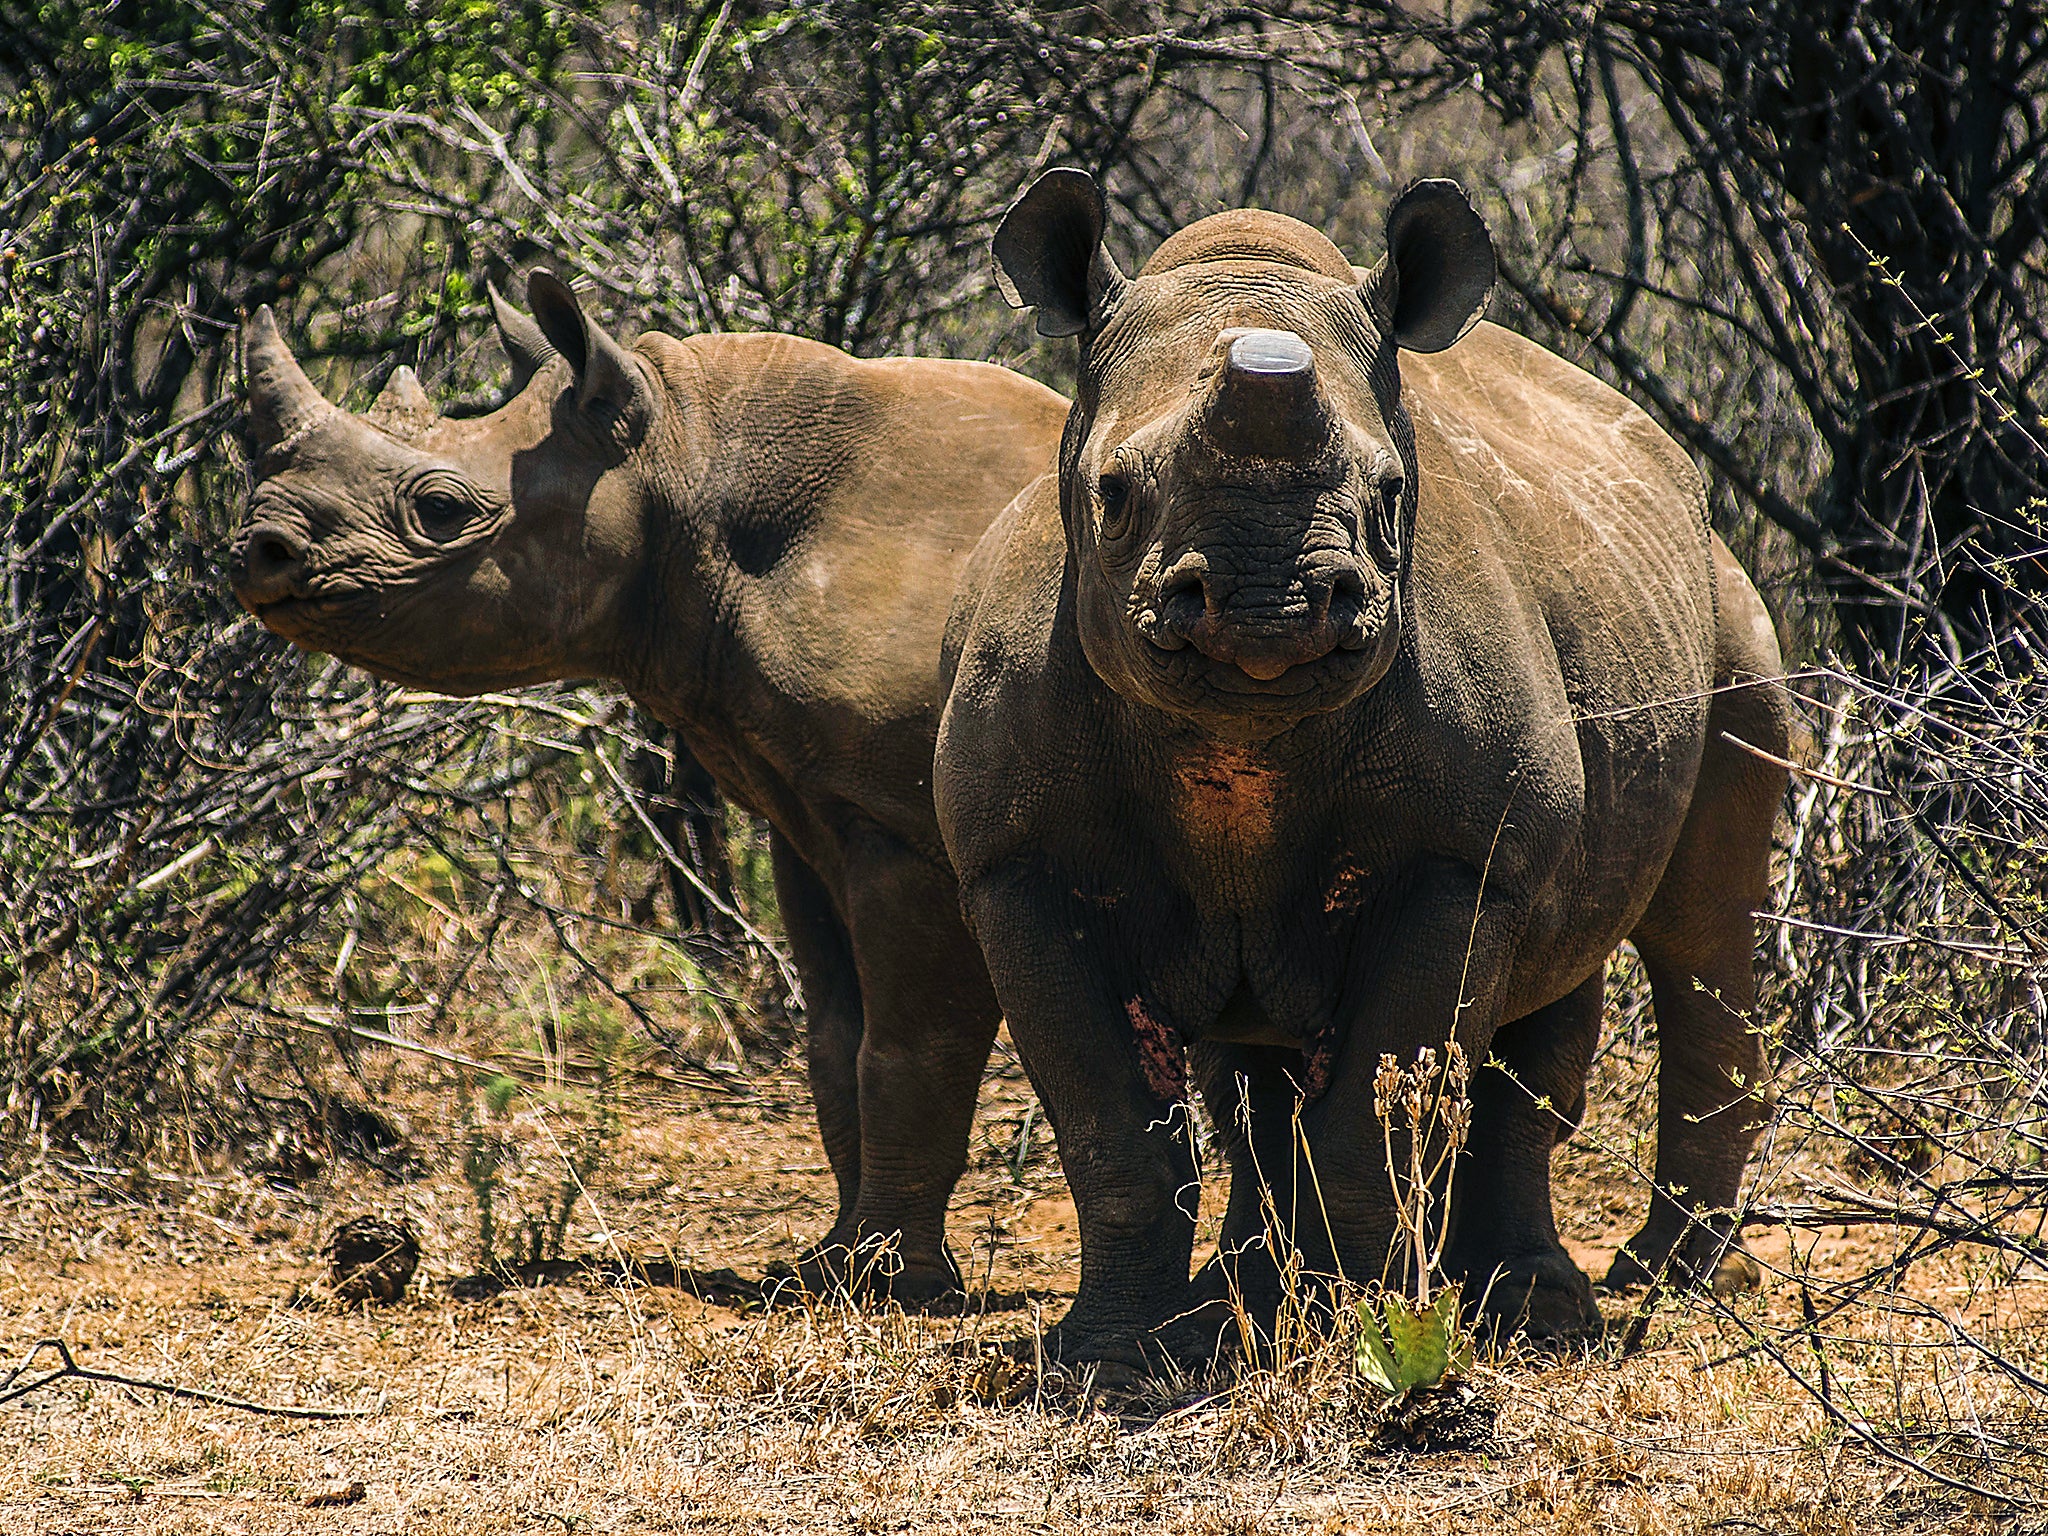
(1544, 1296)
(1701, 1256)
(1122, 1353)
(873, 1268)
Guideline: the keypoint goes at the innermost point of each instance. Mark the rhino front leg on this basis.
(1122, 1125)
(1432, 974)
(1252, 1093)
(928, 1021)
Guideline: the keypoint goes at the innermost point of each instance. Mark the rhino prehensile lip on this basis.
(1190, 671)
(307, 616)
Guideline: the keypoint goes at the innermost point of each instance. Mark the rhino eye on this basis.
(1390, 512)
(1115, 490)
(441, 506)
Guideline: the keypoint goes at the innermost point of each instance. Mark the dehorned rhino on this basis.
(1363, 678)
(757, 536)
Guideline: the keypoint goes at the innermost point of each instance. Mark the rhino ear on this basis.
(525, 344)
(1049, 255)
(608, 378)
(1431, 286)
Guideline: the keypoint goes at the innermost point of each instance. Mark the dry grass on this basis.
(594, 1408)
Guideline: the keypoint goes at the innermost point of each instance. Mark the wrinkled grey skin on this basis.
(757, 536)
(1329, 702)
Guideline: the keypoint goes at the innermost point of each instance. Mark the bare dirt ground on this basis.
(588, 1407)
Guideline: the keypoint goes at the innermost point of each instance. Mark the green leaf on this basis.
(1403, 1347)
(1421, 1346)
(1376, 1362)
(499, 1092)
(1459, 1351)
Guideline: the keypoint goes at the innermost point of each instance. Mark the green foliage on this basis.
(1402, 1346)
(753, 871)
(499, 1091)
(484, 1153)
(530, 1155)
(1831, 219)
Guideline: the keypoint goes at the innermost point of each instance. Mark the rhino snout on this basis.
(268, 564)
(1322, 610)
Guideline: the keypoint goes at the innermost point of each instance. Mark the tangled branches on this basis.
(1829, 215)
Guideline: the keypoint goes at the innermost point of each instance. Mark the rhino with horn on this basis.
(756, 537)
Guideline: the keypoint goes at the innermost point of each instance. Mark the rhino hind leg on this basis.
(823, 953)
(1697, 941)
(1504, 1246)
(929, 1018)
(899, 1021)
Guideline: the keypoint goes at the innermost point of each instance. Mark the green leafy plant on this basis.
(514, 1132)
(486, 1148)
(1402, 1345)
(1415, 1336)
(547, 1231)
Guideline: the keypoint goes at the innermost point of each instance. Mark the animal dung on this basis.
(1454, 1416)
(371, 1258)
(335, 1494)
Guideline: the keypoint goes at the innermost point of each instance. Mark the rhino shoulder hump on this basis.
(1500, 389)
(1000, 626)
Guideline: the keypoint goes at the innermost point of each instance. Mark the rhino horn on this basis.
(1267, 404)
(402, 407)
(521, 337)
(282, 400)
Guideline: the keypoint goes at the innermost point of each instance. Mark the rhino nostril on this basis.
(1183, 600)
(1320, 589)
(271, 564)
(1346, 613)
(1180, 603)
(274, 552)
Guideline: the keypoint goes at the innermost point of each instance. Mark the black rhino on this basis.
(1364, 676)
(757, 536)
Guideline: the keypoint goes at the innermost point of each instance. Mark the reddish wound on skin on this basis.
(1160, 1056)
(1226, 791)
(1318, 1061)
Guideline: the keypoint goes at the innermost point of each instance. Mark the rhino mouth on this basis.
(1187, 680)
(325, 621)
(1196, 672)
(302, 605)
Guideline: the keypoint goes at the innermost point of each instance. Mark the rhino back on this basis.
(1606, 511)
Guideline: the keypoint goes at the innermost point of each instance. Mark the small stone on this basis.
(1737, 1274)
